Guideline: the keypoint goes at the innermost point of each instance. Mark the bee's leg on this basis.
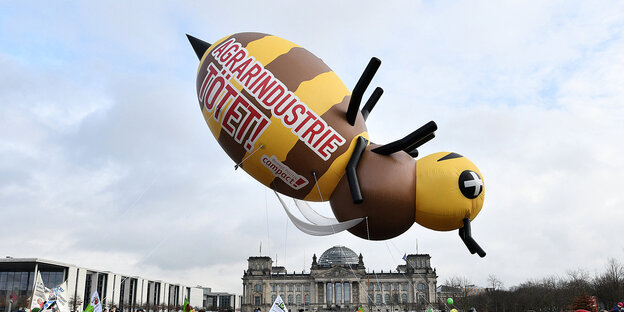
(370, 104)
(466, 236)
(360, 87)
(352, 178)
(413, 149)
(409, 143)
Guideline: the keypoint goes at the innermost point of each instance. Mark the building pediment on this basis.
(335, 272)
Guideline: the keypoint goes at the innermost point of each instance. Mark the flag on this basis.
(278, 305)
(360, 309)
(94, 304)
(40, 295)
(49, 305)
(405, 256)
(61, 302)
(187, 305)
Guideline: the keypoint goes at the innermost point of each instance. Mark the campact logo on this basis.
(283, 172)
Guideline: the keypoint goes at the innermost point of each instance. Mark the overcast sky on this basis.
(106, 161)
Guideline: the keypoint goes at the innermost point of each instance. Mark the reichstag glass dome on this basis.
(338, 255)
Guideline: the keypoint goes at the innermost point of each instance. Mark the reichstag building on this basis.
(339, 281)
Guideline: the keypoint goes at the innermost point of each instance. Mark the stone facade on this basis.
(339, 281)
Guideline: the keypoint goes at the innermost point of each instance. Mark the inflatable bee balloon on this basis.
(286, 118)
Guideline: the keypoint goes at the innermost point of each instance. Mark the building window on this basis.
(257, 300)
(386, 286)
(87, 293)
(282, 288)
(290, 287)
(274, 288)
(298, 299)
(298, 287)
(50, 279)
(273, 298)
(404, 286)
(387, 298)
(370, 286)
(421, 286)
(306, 287)
(290, 299)
(224, 301)
(338, 292)
(378, 286)
(421, 299)
(395, 286)
(347, 293)
(329, 292)
(258, 287)
(404, 298)
(306, 298)
(378, 299)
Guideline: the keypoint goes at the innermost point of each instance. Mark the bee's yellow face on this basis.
(449, 188)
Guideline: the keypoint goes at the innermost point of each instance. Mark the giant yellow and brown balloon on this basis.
(287, 119)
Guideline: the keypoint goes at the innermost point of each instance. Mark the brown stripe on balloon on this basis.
(245, 38)
(303, 160)
(293, 68)
(250, 98)
(204, 70)
(236, 150)
(296, 66)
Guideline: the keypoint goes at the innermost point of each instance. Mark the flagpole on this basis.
(32, 296)
(417, 246)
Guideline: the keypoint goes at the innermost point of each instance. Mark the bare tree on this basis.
(75, 302)
(494, 282)
(609, 285)
(460, 283)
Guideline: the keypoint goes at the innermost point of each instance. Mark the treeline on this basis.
(576, 290)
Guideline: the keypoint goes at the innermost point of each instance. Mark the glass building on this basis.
(127, 293)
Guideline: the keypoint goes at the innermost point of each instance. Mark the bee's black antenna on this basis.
(409, 143)
(199, 46)
(360, 87)
(372, 100)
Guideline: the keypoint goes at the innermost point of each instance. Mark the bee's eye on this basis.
(470, 184)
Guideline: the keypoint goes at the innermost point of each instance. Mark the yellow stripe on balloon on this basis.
(334, 92)
(279, 140)
(328, 181)
(214, 126)
(267, 49)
